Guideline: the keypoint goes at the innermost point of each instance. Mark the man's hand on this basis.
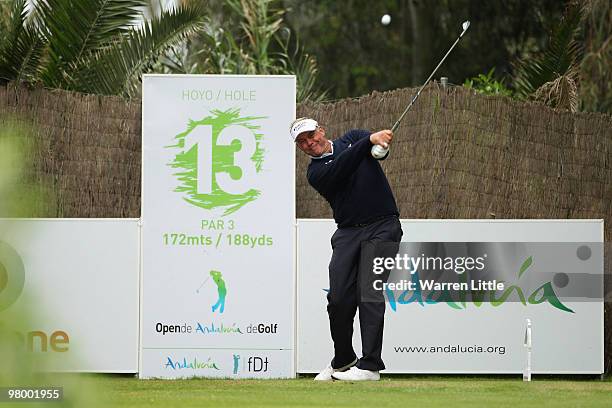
(382, 138)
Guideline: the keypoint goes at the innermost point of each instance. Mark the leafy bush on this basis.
(487, 84)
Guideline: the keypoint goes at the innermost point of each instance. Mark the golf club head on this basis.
(465, 25)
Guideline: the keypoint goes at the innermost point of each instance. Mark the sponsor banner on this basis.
(73, 284)
(551, 272)
(218, 215)
(219, 363)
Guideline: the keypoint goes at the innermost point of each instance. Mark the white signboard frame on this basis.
(218, 212)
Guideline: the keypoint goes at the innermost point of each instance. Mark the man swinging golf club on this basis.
(346, 172)
(347, 175)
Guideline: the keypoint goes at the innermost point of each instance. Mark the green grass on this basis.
(417, 391)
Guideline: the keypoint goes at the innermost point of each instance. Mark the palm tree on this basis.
(247, 37)
(92, 46)
(552, 77)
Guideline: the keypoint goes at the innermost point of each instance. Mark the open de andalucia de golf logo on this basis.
(218, 160)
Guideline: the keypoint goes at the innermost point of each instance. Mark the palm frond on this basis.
(561, 93)
(15, 23)
(251, 39)
(77, 28)
(259, 23)
(116, 69)
(556, 61)
(22, 47)
(305, 68)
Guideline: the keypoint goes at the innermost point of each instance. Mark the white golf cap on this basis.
(302, 125)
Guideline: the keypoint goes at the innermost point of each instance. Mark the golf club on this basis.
(205, 280)
(377, 150)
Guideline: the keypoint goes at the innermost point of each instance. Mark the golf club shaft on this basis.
(205, 280)
(396, 125)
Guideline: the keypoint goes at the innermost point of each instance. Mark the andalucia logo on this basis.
(218, 160)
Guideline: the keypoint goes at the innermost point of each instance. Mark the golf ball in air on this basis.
(386, 19)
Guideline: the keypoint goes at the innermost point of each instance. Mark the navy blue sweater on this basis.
(352, 181)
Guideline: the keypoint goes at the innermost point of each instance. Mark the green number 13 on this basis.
(201, 137)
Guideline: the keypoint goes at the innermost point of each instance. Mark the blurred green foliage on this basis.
(595, 81)
(23, 368)
(487, 84)
(357, 54)
(21, 196)
(22, 192)
(246, 37)
(343, 49)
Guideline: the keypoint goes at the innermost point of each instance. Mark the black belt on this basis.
(372, 221)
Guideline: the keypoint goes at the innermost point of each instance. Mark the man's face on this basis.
(313, 143)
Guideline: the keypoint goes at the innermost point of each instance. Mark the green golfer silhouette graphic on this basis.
(221, 289)
(236, 361)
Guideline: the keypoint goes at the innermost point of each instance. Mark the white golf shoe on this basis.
(326, 374)
(357, 374)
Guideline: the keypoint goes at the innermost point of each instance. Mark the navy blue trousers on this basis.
(344, 295)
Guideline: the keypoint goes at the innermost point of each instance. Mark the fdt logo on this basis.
(257, 364)
(219, 160)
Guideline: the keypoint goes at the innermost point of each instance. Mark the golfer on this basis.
(344, 172)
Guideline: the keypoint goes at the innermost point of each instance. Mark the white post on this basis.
(527, 344)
